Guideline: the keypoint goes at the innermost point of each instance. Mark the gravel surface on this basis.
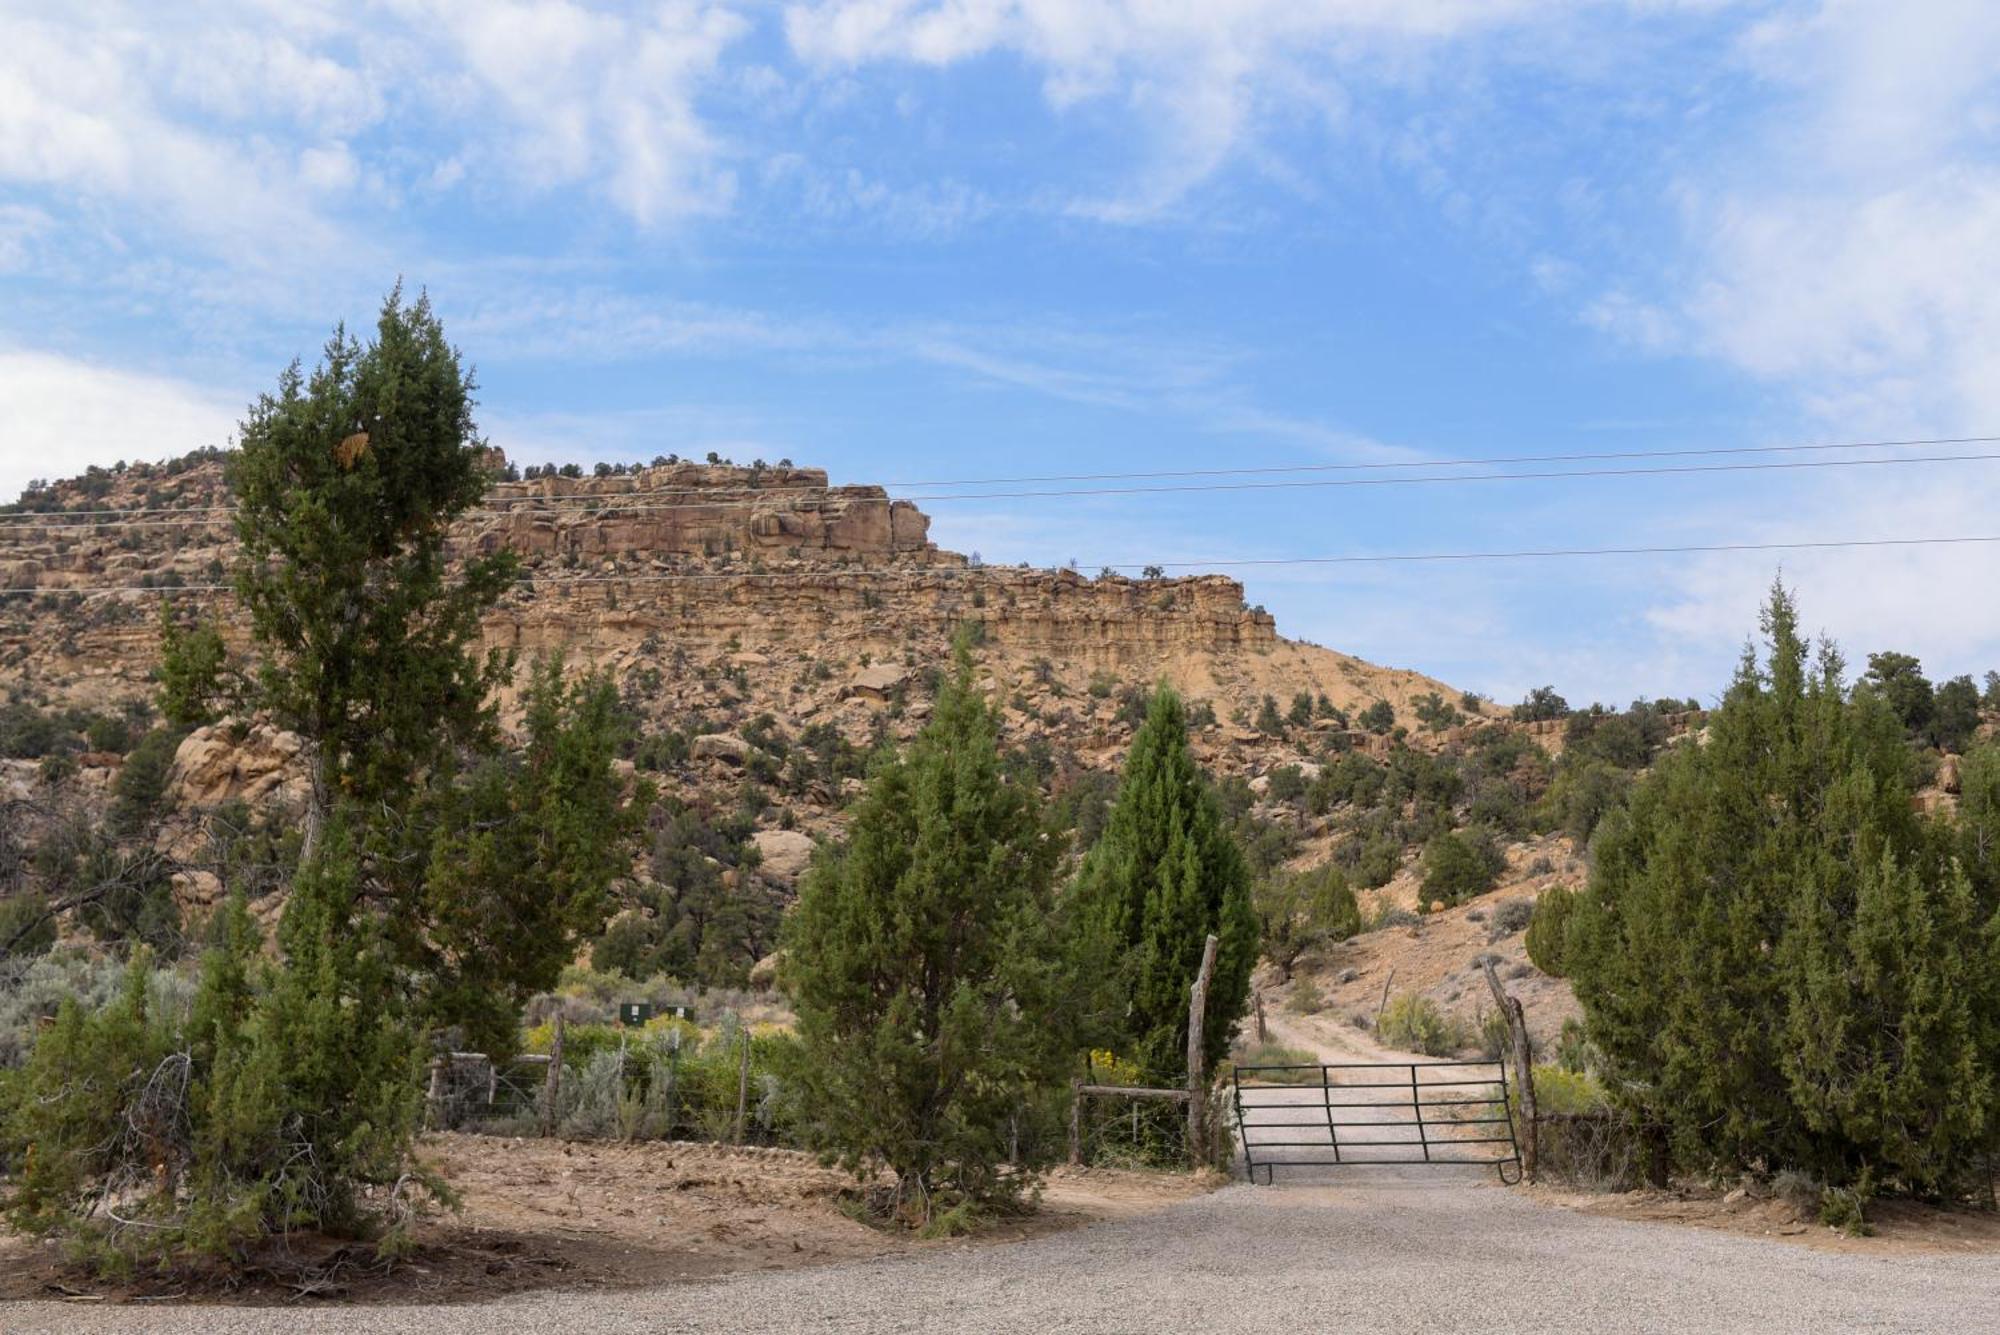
(1391, 1249)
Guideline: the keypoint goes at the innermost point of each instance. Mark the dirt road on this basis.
(1398, 1249)
(1377, 1248)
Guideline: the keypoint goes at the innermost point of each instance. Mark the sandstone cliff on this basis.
(770, 569)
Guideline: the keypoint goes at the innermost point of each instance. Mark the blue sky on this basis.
(914, 239)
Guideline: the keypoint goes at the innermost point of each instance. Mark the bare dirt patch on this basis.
(1902, 1228)
(1439, 955)
(540, 1214)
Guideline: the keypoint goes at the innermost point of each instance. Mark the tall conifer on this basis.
(923, 965)
(1165, 874)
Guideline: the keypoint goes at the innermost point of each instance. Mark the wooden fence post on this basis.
(1263, 1032)
(743, 1086)
(552, 1082)
(434, 1099)
(1075, 1123)
(1524, 1070)
(1198, 1057)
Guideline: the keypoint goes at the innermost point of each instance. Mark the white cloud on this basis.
(264, 133)
(62, 415)
(1844, 250)
(1198, 75)
(591, 95)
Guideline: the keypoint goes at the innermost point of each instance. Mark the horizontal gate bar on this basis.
(1493, 1102)
(1359, 1066)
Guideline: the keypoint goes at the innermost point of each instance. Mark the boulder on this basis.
(878, 681)
(785, 853)
(720, 746)
(212, 766)
(764, 973)
(1947, 775)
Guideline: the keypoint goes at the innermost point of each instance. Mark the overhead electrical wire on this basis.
(920, 572)
(532, 504)
(53, 521)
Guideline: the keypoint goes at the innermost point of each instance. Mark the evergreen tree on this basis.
(346, 485)
(1548, 930)
(1899, 679)
(1956, 714)
(522, 857)
(1298, 912)
(1165, 874)
(1778, 960)
(190, 673)
(922, 963)
(317, 1090)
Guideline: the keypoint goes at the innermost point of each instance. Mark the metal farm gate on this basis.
(1341, 1113)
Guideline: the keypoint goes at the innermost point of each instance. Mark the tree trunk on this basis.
(316, 804)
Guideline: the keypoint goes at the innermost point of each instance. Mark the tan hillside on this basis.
(768, 574)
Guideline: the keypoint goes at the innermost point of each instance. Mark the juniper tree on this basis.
(1164, 875)
(314, 1091)
(1779, 961)
(523, 852)
(346, 483)
(923, 965)
(1298, 912)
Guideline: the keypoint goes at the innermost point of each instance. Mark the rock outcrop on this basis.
(225, 761)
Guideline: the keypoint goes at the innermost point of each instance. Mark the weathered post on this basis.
(1524, 1069)
(1197, 1056)
(1263, 1032)
(743, 1085)
(1075, 1123)
(434, 1099)
(552, 1082)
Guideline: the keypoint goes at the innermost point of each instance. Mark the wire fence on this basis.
(672, 1083)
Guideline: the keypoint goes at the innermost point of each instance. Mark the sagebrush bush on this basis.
(1303, 1066)
(1413, 1022)
(1511, 917)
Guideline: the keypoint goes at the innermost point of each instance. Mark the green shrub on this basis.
(1377, 860)
(1298, 912)
(1559, 1092)
(1306, 998)
(1414, 1023)
(1548, 930)
(1305, 1064)
(141, 784)
(1846, 1209)
(1458, 867)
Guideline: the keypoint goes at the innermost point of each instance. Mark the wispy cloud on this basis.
(1198, 81)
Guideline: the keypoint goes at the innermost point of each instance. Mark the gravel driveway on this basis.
(1389, 1249)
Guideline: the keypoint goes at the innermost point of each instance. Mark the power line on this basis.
(609, 499)
(918, 573)
(1789, 465)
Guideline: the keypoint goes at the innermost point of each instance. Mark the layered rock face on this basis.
(682, 558)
